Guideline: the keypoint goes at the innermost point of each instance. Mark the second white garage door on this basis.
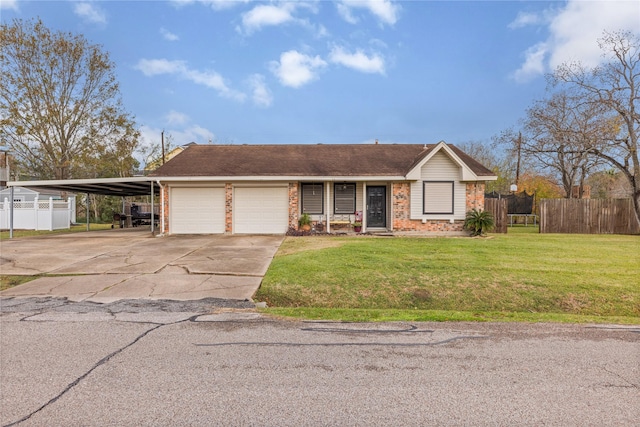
(260, 210)
(197, 210)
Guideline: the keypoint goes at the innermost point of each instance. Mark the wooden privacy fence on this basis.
(498, 208)
(588, 216)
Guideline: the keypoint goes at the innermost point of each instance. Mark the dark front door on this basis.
(377, 206)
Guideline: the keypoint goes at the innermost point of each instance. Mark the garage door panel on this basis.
(261, 210)
(197, 210)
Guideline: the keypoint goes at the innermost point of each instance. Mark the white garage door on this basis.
(261, 210)
(197, 210)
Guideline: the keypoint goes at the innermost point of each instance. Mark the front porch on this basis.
(382, 207)
(343, 206)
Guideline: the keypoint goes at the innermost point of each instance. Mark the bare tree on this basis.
(494, 158)
(60, 107)
(613, 87)
(557, 131)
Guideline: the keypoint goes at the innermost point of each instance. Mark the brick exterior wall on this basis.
(475, 195)
(401, 209)
(293, 205)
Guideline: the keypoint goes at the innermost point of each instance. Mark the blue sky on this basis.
(272, 72)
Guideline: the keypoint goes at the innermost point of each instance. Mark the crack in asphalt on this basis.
(630, 384)
(93, 368)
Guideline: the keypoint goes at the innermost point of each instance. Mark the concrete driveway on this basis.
(107, 266)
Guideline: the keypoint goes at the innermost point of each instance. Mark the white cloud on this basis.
(261, 94)
(168, 35)
(90, 13)
(573, 34)
(176, 118)
(270, 15)
(267, 15)
(153, 67)
(533, 64)
(525, 19)
(296, 69)
(386, 11)
(358, 61)
(214, 4)
(9, 4)
(193, 133)
(210, 79)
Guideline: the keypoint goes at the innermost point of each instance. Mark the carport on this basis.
(131, 186)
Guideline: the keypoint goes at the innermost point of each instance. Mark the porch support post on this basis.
(88, 203)
(364, 207)
(327, 207)
(11, 214)
(152, 214)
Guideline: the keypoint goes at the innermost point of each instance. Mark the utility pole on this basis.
(518, 163)
(162, 136)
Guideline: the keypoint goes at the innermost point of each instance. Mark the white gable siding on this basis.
(439, 168)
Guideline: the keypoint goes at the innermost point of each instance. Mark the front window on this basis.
(312, 200)
(344, 198)
(438, 197)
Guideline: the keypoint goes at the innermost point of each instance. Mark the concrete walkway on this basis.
(107, 266)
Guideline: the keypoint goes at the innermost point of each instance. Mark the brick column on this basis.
(165, 219)
(400, 210)
(228, 207)
(293, 205)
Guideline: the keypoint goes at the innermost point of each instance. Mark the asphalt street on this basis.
(209, 362)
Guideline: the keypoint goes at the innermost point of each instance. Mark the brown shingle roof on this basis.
(303, 160)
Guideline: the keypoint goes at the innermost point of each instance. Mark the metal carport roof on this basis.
(131, 186)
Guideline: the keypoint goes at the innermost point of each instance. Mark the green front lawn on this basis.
(519, 276)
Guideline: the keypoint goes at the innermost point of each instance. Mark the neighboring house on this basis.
(36, 209)
(22, 194)
(155, 164)
(265, 188)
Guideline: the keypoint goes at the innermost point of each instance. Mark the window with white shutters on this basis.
(312, 200)
(438, 197)
(344, 198)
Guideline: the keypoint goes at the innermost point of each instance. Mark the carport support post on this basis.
(11, 214)
(152, 218)
(87, 211)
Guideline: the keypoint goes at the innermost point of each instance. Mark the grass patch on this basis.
(74, 229)
(520, 276)
(7, 282)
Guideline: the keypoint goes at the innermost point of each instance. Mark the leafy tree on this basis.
(614, 89)
(609, 184)
(60, 106)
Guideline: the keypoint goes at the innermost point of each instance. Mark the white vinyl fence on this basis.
(37, 215)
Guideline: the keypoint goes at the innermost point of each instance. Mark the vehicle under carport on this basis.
(124, 187)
